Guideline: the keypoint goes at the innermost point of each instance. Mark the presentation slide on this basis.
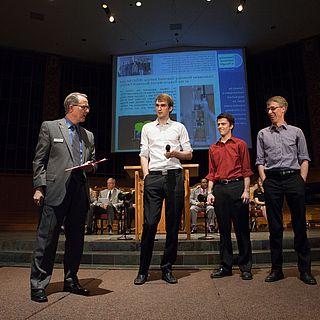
(202, 83)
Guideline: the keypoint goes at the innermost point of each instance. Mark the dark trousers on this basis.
(293, 188)
(229, 208)
(157, 188)
(90, 217)
(95, 212)
(72, 212)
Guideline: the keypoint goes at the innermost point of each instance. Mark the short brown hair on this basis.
(165, 97)
(228, 116)
(278, 99)
(72, 99)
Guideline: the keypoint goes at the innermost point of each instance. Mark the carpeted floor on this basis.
(196, 296)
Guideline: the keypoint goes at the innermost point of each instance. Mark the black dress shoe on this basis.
(140, 279)
(169, 277)
(221, 273)
(38, 295)
(246, 275)
(75, 288)
(307, 278)
(274, 276)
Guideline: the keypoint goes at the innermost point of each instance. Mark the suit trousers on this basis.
(291, 187)
(194, 209)
(229, 209)
(157, 188)
(72, 213)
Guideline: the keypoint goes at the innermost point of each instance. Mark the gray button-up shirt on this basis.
(281, 147)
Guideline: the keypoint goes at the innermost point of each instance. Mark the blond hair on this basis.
(280, 100)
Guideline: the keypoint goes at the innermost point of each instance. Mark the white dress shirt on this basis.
(155, 137)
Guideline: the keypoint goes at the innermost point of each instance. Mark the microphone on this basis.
(168, 148)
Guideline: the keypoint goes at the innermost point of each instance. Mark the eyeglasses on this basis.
(272, 109)
(82, 107)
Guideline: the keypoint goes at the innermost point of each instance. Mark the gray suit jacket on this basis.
(104, 194)
(54, 155)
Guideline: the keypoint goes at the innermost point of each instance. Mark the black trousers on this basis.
(72, 212)
(157, 188)
(292, 187)
(229, 208)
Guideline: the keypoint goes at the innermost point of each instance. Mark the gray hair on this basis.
(72, 99)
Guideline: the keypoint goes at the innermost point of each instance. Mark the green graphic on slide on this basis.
(138, 126)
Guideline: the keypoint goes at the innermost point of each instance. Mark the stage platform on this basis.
(105, 251)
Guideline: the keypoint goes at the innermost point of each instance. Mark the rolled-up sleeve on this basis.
(144, 146)
(245, 160)
(303, 153)
(211, 175)
(260, 160)
(184, 139)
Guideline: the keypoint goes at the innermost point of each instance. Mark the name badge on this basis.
(57, 140)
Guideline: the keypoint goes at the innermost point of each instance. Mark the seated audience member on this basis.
(131, 212)
(93, 205)
(108, 200)
(259, 200)
(197, 206)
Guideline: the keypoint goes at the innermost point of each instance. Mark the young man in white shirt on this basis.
(164, 143)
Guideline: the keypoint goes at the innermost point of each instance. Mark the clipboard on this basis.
(85, 165)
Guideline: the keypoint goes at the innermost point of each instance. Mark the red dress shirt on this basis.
(229, 160)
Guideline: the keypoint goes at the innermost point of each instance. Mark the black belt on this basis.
(226, 181)
(165, 172)
(280, 173)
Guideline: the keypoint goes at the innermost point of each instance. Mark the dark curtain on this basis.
(21, 102)
(278, 72)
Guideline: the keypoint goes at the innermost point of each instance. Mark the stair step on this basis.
(131, 258)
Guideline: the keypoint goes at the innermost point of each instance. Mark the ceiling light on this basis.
(138, 3)
(241, 5)
(104, 6)
(112, 19)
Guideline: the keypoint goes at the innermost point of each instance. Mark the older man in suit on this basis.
(110, 202)
(63, 196)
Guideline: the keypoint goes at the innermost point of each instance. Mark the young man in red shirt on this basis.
(229, 180)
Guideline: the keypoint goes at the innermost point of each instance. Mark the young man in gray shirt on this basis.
(283, 161)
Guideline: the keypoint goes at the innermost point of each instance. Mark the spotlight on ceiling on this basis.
(108, 13)
(138, 3)
(241, 6)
